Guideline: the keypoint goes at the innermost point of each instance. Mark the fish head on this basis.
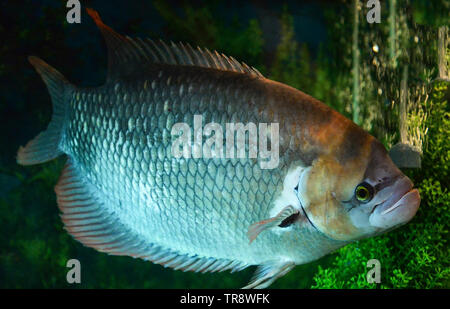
(360, 197)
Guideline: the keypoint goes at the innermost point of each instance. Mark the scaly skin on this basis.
(120, 137)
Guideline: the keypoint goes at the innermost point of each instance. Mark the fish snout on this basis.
(399, 208)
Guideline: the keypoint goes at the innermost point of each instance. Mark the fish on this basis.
(127, 189)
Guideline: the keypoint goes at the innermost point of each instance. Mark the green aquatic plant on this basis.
(236, 39)
(291, 58)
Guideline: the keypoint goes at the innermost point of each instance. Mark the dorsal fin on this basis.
(127, 55)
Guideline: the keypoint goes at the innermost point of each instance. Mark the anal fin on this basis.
(89, 221)
(266, 274)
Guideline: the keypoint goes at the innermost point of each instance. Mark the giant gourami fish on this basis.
(124, 192)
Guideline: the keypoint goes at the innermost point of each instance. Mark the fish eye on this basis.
(364, 192)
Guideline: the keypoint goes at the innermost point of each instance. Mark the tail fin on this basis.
(45, 146)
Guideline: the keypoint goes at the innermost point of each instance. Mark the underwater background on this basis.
(392, 78)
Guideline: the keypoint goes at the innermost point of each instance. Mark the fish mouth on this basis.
(398, 208)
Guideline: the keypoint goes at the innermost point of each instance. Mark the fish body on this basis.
(120, 135)
(124, 192)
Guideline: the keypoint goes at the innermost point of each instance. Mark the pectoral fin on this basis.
(266, 274)
(287, 213)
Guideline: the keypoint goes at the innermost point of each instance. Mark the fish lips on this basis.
(399, 208)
